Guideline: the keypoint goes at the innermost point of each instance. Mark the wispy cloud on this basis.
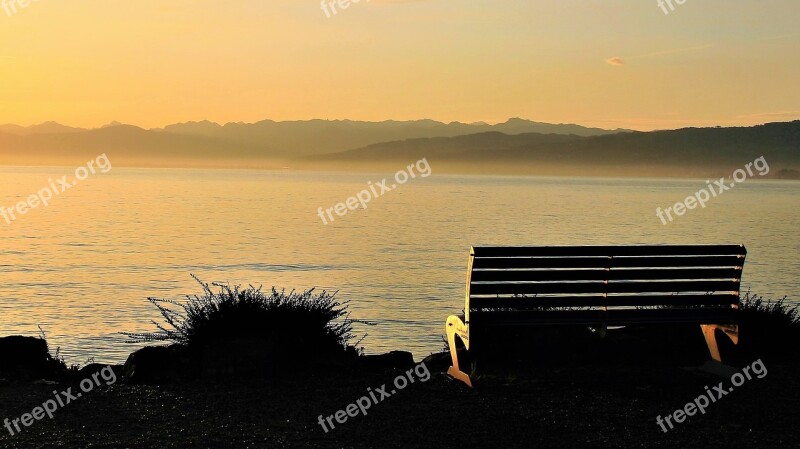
(617, 60)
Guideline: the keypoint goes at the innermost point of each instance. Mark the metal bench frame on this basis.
(609, 285)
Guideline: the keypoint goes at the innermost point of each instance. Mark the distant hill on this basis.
(788, 173)
(42, 128)
(684, 152)
(263, 144)
(300, 138)
(127, 145)
(316, 144)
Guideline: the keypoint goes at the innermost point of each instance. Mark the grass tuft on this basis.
(285, 323)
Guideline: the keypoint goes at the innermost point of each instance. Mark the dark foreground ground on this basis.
(589, 405)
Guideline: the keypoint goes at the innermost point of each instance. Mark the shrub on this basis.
(286, 325)
(56, 362)
(769, 328)
(778, 312)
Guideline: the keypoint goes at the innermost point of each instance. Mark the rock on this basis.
(249, 358)
(388, 361)
(441, 361)
(26, 358)
(157, 364)
(89, 370)
(234, 358)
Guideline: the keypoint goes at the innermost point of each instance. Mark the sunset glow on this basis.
(151, 63)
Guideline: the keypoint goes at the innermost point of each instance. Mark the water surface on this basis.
(83, 266)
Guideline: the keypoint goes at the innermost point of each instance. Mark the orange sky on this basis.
(151, 63)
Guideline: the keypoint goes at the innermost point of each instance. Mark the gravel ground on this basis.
(589, 405)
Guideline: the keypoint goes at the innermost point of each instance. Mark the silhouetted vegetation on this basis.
(56, 362)
(284, 324)
(768, 328)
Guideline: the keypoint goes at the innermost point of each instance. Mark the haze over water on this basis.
(83, 266)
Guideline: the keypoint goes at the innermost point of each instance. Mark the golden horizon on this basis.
(627, 65)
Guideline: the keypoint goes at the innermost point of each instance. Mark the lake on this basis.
(83, 266)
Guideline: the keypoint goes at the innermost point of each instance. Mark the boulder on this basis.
(389, 361)
(27, 358)
(89, 370)
(234, 359)
(248, 358)
(442, 361)
(158, 364)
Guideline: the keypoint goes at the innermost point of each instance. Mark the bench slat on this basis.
(605, 262)
(601, 275)
(600, 301)
(611, 317)
(630, 250)
(602, 287)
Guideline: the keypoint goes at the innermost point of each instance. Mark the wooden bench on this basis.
(599, 286)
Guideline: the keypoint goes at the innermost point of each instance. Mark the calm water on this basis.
(83, 267)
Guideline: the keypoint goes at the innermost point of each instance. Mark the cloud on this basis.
(617, 61)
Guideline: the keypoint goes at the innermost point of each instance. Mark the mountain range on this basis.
(688, 152)
(516, 146)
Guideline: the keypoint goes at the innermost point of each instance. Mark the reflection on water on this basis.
(83, 266)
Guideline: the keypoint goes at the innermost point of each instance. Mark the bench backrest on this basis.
(603, 284)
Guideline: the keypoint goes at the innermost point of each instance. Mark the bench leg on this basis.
(457, 327)
(709, 332)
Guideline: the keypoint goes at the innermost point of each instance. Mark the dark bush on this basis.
(768, 328)
(232, 324)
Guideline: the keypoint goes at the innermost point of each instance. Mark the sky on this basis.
(605, 63)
